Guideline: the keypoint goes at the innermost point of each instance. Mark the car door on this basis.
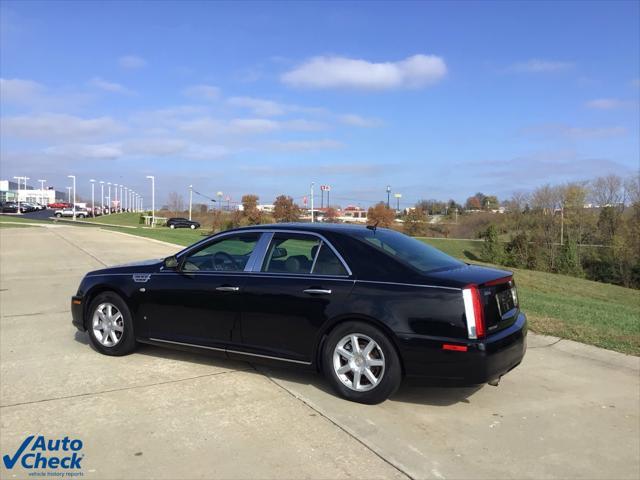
(198, 303)
(298, 286)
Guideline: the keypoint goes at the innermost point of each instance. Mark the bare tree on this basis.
(607, 191)
(175, 203)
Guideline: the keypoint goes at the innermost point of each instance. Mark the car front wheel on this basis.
(110, 326)
(193, 227)
(58, 215)
(361, 363)
(172, 226)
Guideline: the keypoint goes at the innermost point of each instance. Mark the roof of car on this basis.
(344, 228)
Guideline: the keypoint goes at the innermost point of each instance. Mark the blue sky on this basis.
(439, 100)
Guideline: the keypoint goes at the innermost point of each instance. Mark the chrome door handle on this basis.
(227, 289)
(317, 291)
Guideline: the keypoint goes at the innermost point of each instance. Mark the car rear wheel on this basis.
(172, 226)
(110, 325)
(58, 215)
(193, 227)
(361, 363)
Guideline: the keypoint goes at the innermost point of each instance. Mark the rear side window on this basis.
(301, 254)
(408, 250)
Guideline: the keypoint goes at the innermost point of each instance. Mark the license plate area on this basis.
(505, 301)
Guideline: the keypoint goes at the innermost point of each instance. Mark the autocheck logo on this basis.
(38, 452)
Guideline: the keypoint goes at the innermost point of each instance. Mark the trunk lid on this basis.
(496, 288)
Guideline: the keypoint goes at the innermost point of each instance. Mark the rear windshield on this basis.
(408, 250)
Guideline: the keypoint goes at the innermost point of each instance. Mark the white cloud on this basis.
(305, 145)
(132, 62)
(15, 90)
(575, 133)
(302, 125)
(58, 127)
(341, 72)
(252, 125)
(606, 103)
(259, 106)
(540, 66)
(202, 92)
(105, 151)
(358, 121)
(155, 146)
(109, 86)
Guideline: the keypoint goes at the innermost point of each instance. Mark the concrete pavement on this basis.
(569, 411)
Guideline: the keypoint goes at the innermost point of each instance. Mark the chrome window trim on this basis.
(409, 285)
(293, 276)
(226, 350)
(217, 236)
(315, 258)
(257, 256)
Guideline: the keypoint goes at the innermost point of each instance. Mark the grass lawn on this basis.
(124, 219)
(600, 314)
(10, 221)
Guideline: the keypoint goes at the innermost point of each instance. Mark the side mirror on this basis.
(171, 262)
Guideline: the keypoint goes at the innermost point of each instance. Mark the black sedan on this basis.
(365, 306)
(182, 223)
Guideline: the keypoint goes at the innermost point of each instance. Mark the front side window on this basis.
(301, 254)
(229, 254)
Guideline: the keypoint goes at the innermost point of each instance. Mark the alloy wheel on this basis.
(358, 361)
(108, 324)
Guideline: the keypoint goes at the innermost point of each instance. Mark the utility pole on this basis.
(190, 200)
(153, 199)
(312, 184)
(561, 225)
(93, 202)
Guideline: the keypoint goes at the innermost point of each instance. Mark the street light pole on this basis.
(153, 198)
(115, 186)
(101, 197)
(73, 177)
(121, 197)
(19, 178)
(93, 198)
(68, 194)
(388, 195)
(190, 200)
(398, 197)
(109, 204)
(42, 182)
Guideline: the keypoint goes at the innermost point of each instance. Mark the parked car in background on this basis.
(68, 212)
(59, 205)
(365, 306)
(182, 223)
(9, 207)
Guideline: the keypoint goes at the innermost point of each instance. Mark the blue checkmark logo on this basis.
(10, 462)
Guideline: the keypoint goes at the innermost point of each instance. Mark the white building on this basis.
(8, 194)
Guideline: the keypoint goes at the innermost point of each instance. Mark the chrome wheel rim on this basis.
(108, 324)
(358, 362)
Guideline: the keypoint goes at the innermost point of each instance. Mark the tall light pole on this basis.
(153, 199)
(42, 182)
(388, 195)
(109, 204)
(398, 196)
(93, 198)
(101, 197)
(121, 196)
(190, 200)
(115, 186)
(25, 182)
(69, 194)
(219, 194)
(73, 177)
(126, 199)
(312, 184)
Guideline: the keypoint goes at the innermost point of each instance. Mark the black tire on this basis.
(391, 376)
(58, 215)
(127, 342)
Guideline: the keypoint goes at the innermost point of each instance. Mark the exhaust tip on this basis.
(495, 382)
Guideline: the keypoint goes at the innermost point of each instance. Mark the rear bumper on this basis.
(484, 360)
(77, 312)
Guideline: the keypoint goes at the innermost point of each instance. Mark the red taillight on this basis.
(473, 311)
(455, 348)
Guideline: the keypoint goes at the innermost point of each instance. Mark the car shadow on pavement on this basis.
(407, 393)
